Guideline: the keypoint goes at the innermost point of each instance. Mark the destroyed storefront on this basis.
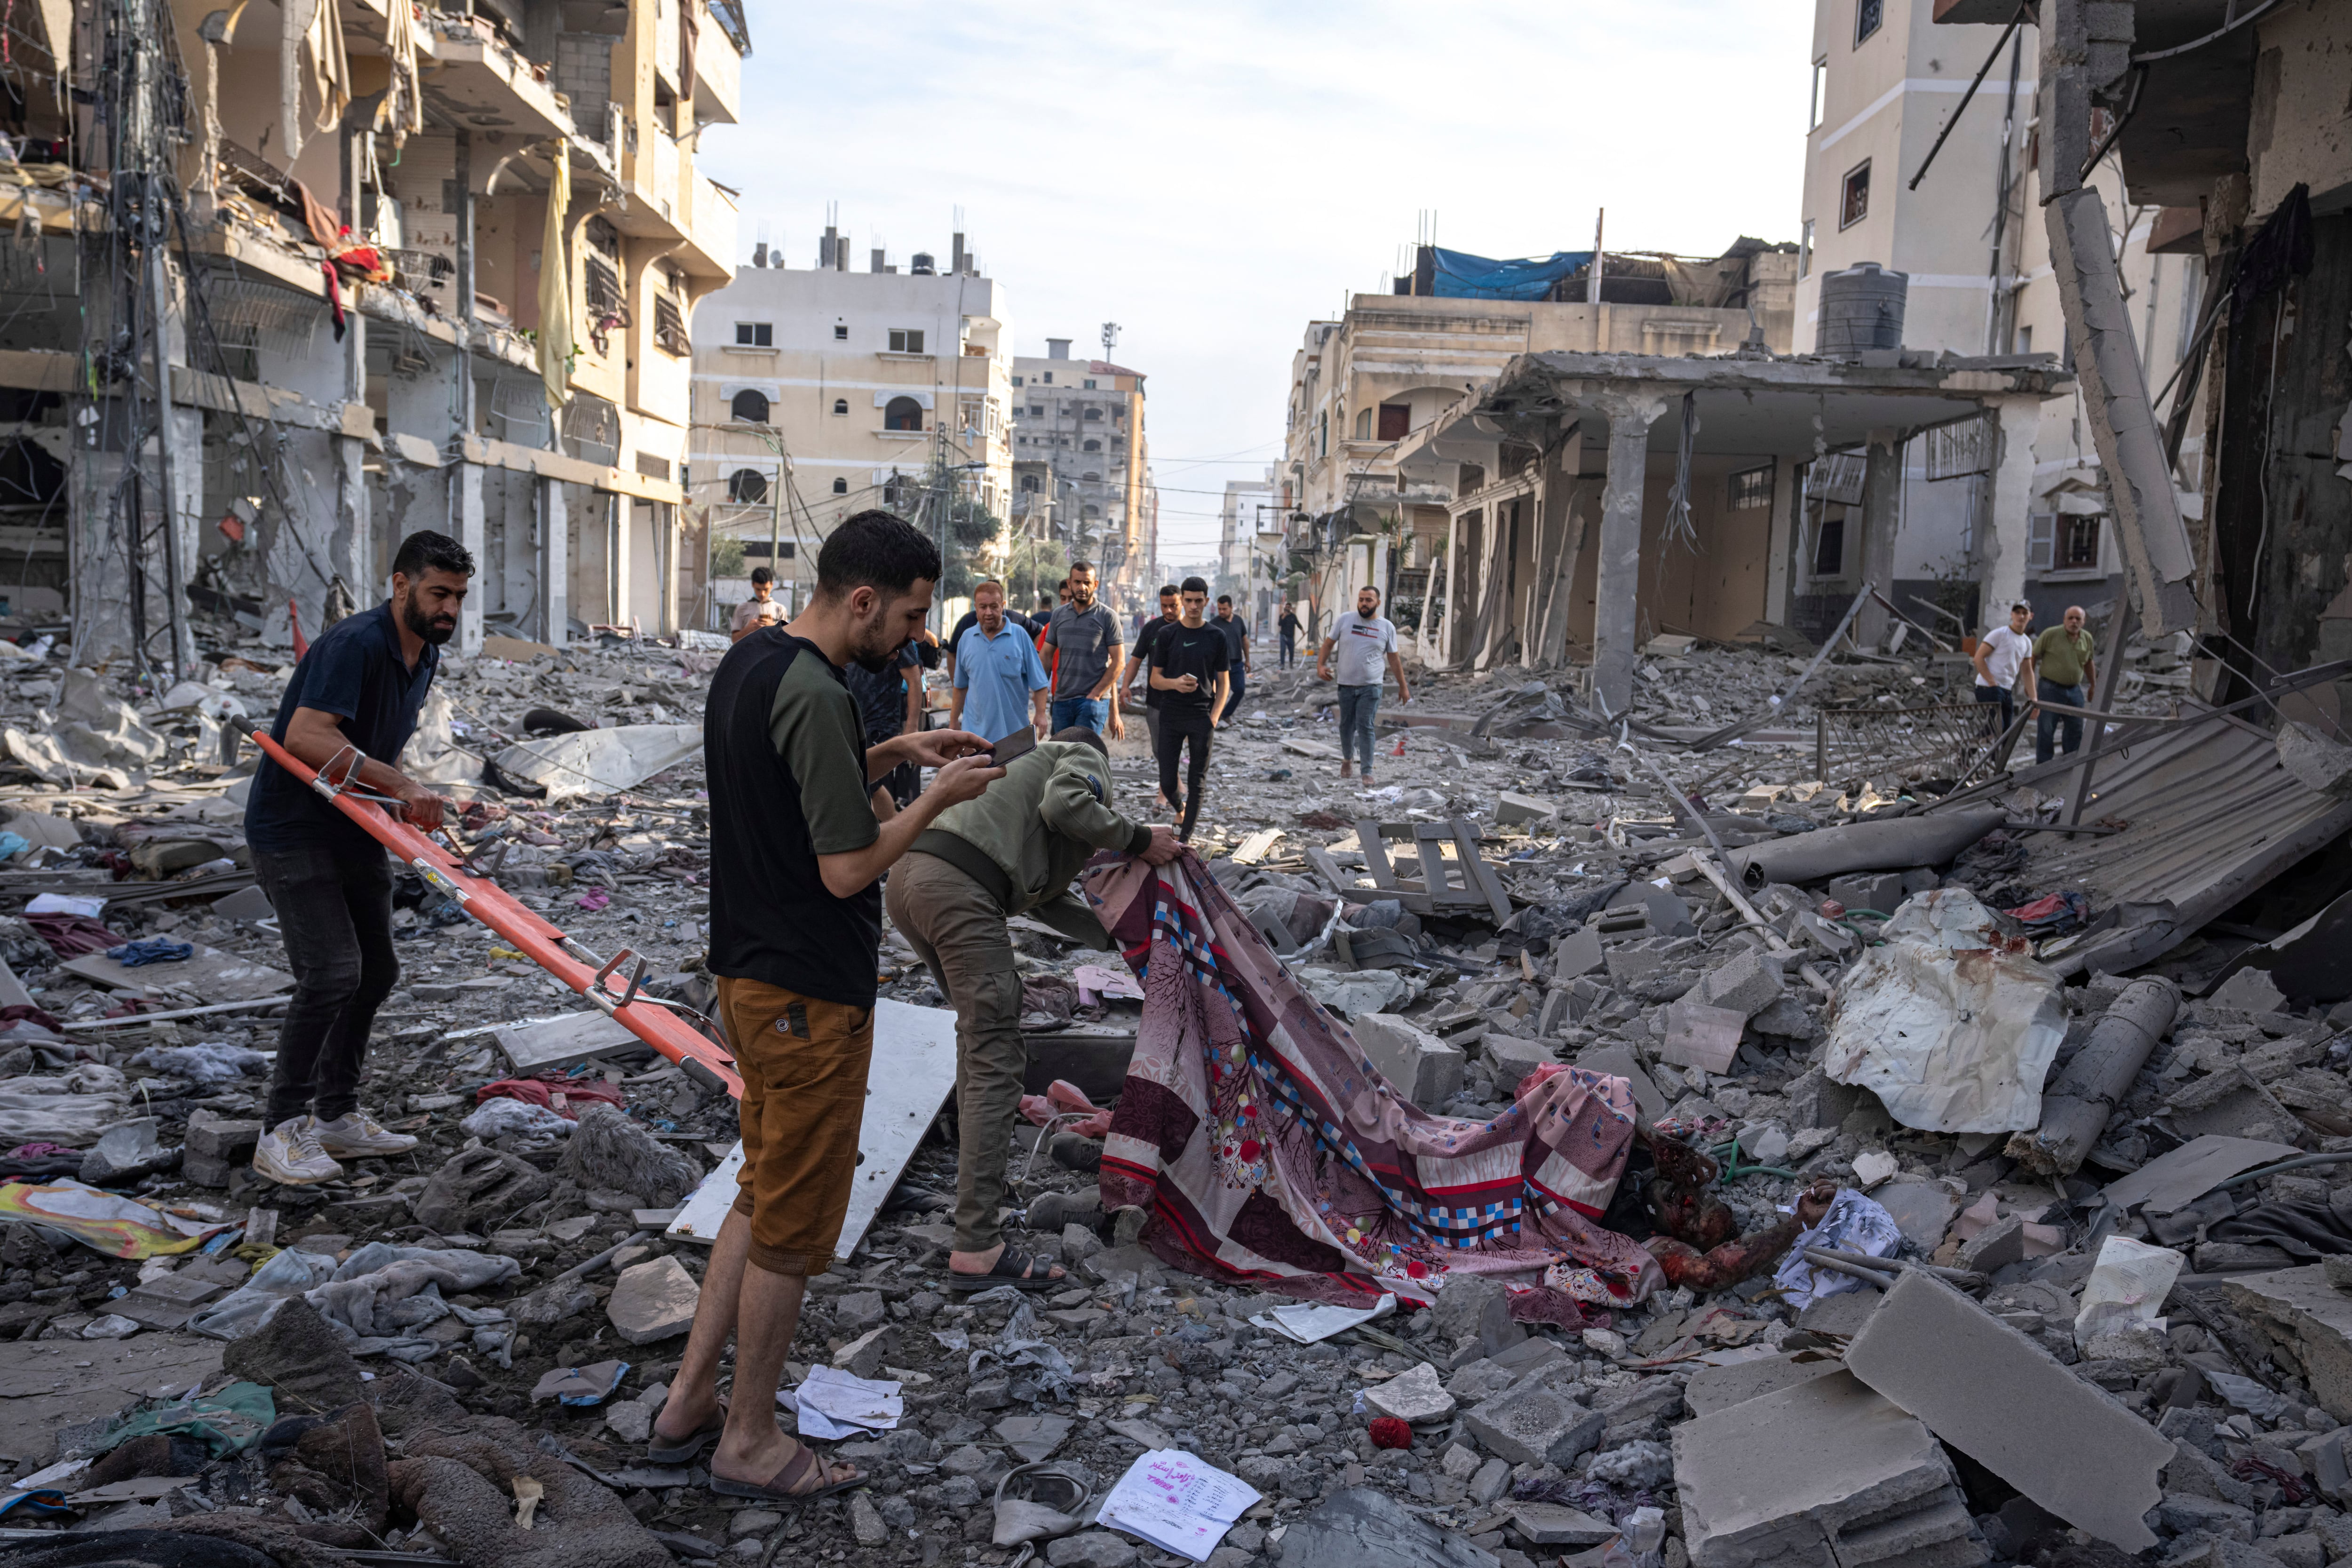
(1600, 501)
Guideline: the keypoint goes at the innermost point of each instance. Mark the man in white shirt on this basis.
(1362, 642)
(1999, 655)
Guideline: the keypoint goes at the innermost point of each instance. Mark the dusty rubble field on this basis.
(2247, 1395)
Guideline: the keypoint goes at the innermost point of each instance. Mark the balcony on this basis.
(484, 85)
(671, 200)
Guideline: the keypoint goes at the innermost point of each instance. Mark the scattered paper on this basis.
(1177, 1501)
(65, 904)
(1311, 1321)
(831, 1403)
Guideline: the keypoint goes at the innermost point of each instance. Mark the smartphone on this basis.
(1019, 743)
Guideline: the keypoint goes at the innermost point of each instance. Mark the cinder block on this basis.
(218, 1137)
(1513, 807)
(1744, 985)
(1880, 890)
(1534, 1424)
(1424, 1069)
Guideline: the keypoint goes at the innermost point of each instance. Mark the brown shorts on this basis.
(803, 1063)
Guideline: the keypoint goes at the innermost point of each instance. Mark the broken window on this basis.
(2041, 539)
(1094, 414)
(907, 341)
(601, 289)
(755, 334)
(748, 486)
(1470, 481)
(903, 414)
(1396, 421)
(2079, 544)
(1854, 198)
(751, 406)
(1752, 488)
(669, 326)
(1829, 543)
(1867, 16)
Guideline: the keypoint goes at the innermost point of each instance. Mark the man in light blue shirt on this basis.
(1000, 681)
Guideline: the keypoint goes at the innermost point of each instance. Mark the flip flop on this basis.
(779, 1487)
(686, 1449)
(1012, 1268)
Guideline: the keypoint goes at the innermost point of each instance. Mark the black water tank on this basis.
(1862, 308)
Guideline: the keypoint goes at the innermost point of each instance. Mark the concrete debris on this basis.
(1991, 1391)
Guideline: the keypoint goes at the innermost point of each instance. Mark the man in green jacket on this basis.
(1011, 851)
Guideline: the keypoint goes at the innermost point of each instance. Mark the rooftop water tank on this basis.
(1862, 308)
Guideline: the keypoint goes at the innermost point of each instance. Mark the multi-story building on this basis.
(1079, 439)
(822, 392)
(1250, 527)
(1970, 240)
(1394, 362)
(422, 270)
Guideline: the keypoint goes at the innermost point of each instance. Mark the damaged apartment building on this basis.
(1362, 384)
(313, 275)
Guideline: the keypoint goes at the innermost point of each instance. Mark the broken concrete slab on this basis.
(1557, 1524)
(47, 1384)
(1922, 1211)
(566, 1041)
(1577, 954)
(1511, 807)
(1825, 1471)
(1358, 1526)
(1713, 1388)
(209, 975)
(653, 1300)
(1746, 985)
(2173, 1181)
(2233, 1103)
(1999, 1397)
(1414, 1395)
(2307, 1322)
(1534, 1423)
(1699, 1035)
(1422, 1067)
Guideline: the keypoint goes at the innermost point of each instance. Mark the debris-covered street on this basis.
(2012, 1341)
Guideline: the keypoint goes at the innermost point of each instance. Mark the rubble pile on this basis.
(1965, 1261)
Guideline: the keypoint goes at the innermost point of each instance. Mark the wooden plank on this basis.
(1255, 846)
(1328, 869)
(1480, 876)
(1375, 853)
(1448, 888)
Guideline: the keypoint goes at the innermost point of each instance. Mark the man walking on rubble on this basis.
(1236, 632)
(998, 676)
(1362, 642)
(1010, 852)
(347, 711)
(1084, 636)
(795, 931)
(1999, 655)
(1191, 670)
(1288, 626)
(1139, 665)
(2063, 673)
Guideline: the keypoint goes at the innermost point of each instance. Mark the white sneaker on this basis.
(354, 1134)
(289, 1152)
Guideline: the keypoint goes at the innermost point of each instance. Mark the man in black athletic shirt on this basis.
(1191, 664)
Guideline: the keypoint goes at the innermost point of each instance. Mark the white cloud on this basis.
(1213, 176)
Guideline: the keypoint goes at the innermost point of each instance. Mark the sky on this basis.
(1215, 177)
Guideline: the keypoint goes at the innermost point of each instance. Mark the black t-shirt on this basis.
(1289, 624)
(882, 698)
(1203, 651)
(354, 671)
(1144, 642)
(1236, 632)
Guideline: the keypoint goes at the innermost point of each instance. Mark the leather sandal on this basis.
(1015, 1268)
(788, 1485)
(688, 1449)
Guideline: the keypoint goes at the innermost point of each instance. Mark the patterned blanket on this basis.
(1269, 1150)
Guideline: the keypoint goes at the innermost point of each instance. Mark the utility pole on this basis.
(175, 585)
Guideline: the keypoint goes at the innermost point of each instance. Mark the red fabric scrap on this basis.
(1392, 1432)
(71, 936)
(542, 1091)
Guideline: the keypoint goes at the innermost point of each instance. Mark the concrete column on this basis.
(1882, 507)
(467, 527)
(1618, 583)
(554, 606)
(2011, 483)
(1781, 556)
(187, 437)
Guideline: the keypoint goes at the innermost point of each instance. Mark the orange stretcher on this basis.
(648, 1017)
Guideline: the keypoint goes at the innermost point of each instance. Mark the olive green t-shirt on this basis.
(2060, 656)
(815, 724)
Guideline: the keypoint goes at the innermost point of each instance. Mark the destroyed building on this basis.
(285, 285)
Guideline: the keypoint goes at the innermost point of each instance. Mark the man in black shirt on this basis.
(795, 928)
(1139, 663)
(1288, 625)
(347, 711)
(1236, 632)
(1190, 660)
(890, 702)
